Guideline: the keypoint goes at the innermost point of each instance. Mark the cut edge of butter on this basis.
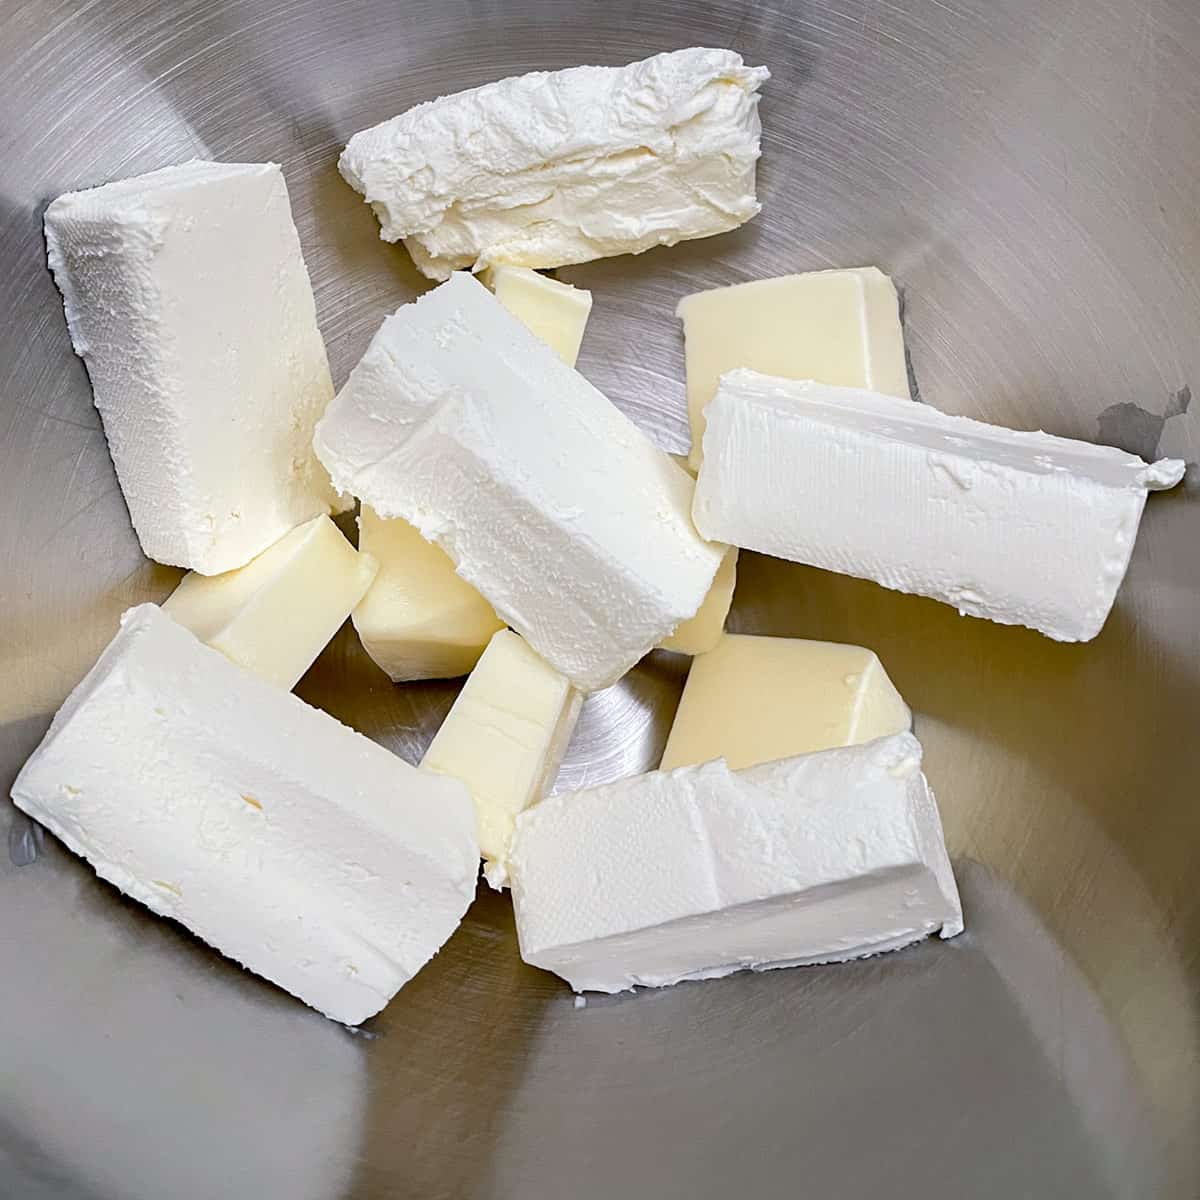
(554, 311)
(840, 327)
(701, 633)
(276, 614)
(504, 738)
(755, 699)
(419, 619)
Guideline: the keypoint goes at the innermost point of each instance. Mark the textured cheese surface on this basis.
(703, 631)
(554, 311)
(418, 620)
(504, 738)
(188, 299)
(839, 327)
(292, 844)
(700, 872)
(552, 504)
(277, 613)
(754, 699)
(546, 169)
(1020, 528)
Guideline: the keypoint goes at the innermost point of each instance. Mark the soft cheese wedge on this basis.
(699, 872)
(277, 613)
(840, 327)
(554, 311)
(754, 699)
(187, 298)
(571, 523)
(1020, 528)
(419, 619)
(547, 169)
(703, 631)
(293, 845)
(504, 738)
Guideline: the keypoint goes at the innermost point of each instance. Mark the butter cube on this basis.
(703, 631)
(756, 699)
(419, 620)
(277, 613)
(556, 312)
(837, 327)
(504, 738)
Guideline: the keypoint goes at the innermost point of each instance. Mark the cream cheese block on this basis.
(421, 620)
(1020, 528)
(839, 327)
(504, 738)
(702, 632)
(552, 504)
(187, 297)
(277, 613)
(418, 620)
(699, 872)
(554, 311)
(754, 699)
(551, 168)
(291, 844)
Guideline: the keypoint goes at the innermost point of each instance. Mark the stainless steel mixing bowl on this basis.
(1028, 172)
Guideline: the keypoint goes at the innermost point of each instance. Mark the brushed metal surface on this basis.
(1027, 172)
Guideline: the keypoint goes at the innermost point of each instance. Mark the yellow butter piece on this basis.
(703, 631)
(418, 620)
(277, 613)
(554, 311)
(756, 699)
(837, 327)
(504, 738)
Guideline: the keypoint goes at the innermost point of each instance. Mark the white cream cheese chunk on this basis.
(571, 523)
(703, 631)
(1020, 528)
(546, 169)
(754, 699)
(839, 327)
(504, 738)
(277, 613)
(554, 311)
(418, 620)
(291, 844)
(696, 873)
(188, 299)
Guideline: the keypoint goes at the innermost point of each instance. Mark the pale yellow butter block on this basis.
(837, 327)
(756, 699)
(504, 738)
(277, 613)
(703, 631)
(554, 311)
(418, 620)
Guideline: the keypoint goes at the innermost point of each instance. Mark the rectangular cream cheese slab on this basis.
(753, 699)
(1020, 528)
(504, 738)
(571, 523)
(839, 327)
(188, 299)
(699, 872)
(291, 844)
(277, 613)
(421, 620)
(551, 168)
